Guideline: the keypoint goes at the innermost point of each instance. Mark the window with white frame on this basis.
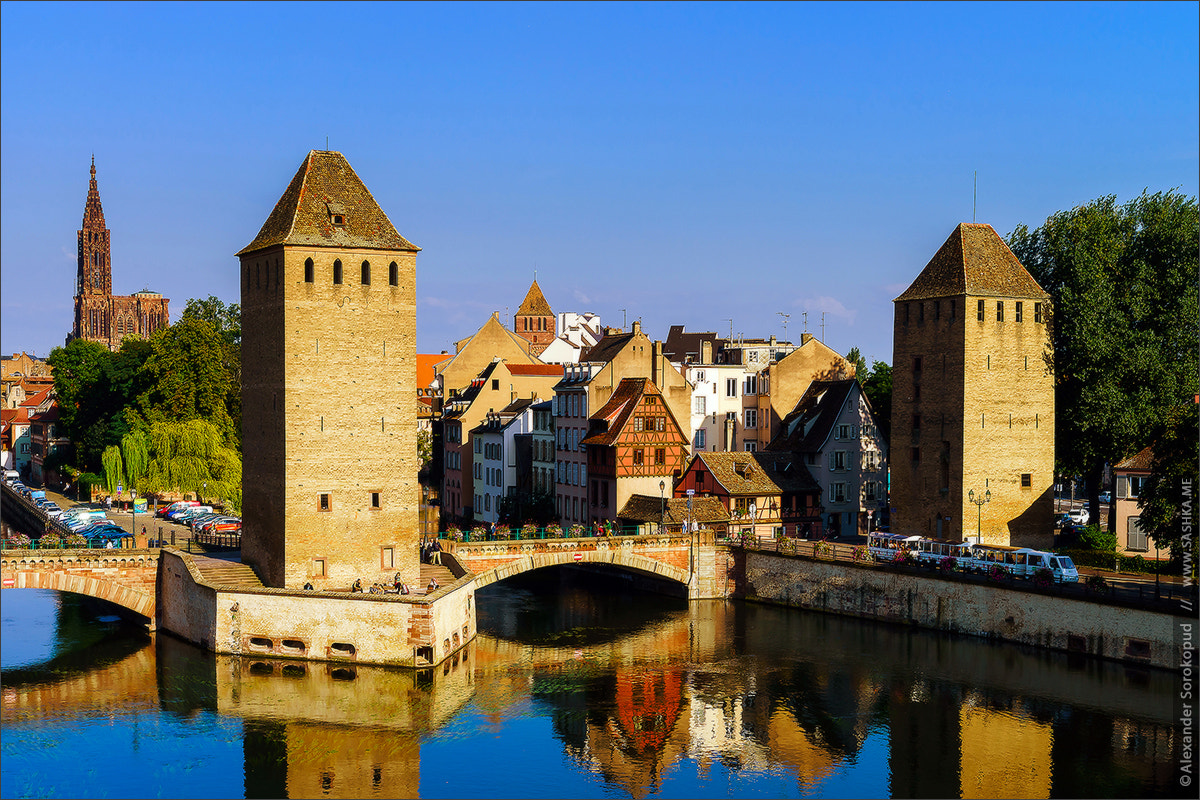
(698, 404)
(700, 437)
(843, 432)
(839, 460)
(837, 492)
(731, 387)
(869, 490)
(750, 446)
(699, 375)
(751, 418)
(751, 384)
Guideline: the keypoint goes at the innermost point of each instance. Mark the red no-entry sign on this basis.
(579, 556)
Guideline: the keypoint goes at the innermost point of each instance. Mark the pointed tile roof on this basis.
(742, 473)
(973, 261)
(674, 511)
(324, 186)
(617, 411)
(534, 304)
(1140, 461)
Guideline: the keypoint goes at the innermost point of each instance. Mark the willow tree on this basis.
(114, 468)
(192, 457)
(136, 450)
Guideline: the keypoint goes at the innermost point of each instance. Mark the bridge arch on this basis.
(624, 559)
(123, 578)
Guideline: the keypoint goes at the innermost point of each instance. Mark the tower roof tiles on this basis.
(975, 261)
(534, 304)
(328, 205)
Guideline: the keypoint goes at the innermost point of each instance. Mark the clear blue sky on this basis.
(690, 164)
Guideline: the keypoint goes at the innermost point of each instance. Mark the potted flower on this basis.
(554, 530)
(997, 573)
(859, 553)
(16, 540)
(50, 540)
(948, 564)
(75, 540)
(576, 531)
(904, 557)
(453, 532)
(1095, 583)
(479, 533)
(1043, 578)
(503, 532)
(529, 530)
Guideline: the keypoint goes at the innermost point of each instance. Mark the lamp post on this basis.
(986, 497)
(662, 511)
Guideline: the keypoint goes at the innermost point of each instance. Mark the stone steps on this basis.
(220, 572)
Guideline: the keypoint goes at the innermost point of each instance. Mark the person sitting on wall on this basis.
(357, 587)
(308, 586)
(433, 586)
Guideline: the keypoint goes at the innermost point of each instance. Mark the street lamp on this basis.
(986, 497)
(662, 512)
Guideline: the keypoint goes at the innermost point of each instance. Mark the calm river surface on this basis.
(576, 690)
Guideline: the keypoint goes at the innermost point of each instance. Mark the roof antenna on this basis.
(805, 315)
(623, 320)
(975, 198)
(785, 319)
(326, 144)
(730, 321)
(822, 326)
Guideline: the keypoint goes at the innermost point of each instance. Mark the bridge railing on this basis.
(528, 533)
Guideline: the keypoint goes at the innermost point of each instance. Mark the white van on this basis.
(1062, 567)
(11, 476)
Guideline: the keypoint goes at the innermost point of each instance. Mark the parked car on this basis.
(1079, 516)
(51, 509)
(165, 511)
(216, 519)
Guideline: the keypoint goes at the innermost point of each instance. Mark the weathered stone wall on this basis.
(282, 623)
(933, 602)
(328, 410)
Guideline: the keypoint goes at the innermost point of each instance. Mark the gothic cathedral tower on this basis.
(534, 321)
(973, 398)
(93, 280)
(329, 426)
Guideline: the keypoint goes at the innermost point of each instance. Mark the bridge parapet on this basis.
(127, 578)
(689, 561)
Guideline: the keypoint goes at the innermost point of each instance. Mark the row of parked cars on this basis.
(200, 518)
(91, 523)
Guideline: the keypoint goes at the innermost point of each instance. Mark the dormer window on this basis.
(337, 214)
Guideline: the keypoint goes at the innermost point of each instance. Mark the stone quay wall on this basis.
(395, 630)
(929, 601)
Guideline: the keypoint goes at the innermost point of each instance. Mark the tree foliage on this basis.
(194, 457)
(1123, 314)
(878, 389)
(1173, 480)
(114, 468)
(856, 359)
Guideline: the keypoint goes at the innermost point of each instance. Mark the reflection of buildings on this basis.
(324, 729)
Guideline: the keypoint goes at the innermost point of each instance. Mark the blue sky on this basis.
(677, 163)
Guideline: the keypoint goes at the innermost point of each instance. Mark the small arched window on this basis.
(337, 272)
(257, 275)
(366, 273)
(393, 274)
(308, 270)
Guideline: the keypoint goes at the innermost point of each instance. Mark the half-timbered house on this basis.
(634, 445)
(766, 494)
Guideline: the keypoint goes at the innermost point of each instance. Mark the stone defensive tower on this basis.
(329, 426)
(535, 320)
(973, 398)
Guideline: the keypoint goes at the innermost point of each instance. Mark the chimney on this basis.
(706, 352)
(637, 327)
(657, 367)
(805, 338)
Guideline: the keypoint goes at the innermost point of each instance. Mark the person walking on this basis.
(435, 553)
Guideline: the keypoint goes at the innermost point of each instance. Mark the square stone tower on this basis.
(973, 398)
(329, 430)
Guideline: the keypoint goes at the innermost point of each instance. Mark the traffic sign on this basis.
(579, 556)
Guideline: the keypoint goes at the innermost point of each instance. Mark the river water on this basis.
(578, 686)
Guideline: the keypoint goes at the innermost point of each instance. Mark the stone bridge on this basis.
(695, 564)
(127, 578)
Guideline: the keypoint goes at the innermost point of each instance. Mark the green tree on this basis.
(114, 469)
(135, 450)
(860, 365)
(424, 448)
(878, 389)
(1123, 313)
(188, 377)
(227, 321)
(1173, 480)
(194, 457)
